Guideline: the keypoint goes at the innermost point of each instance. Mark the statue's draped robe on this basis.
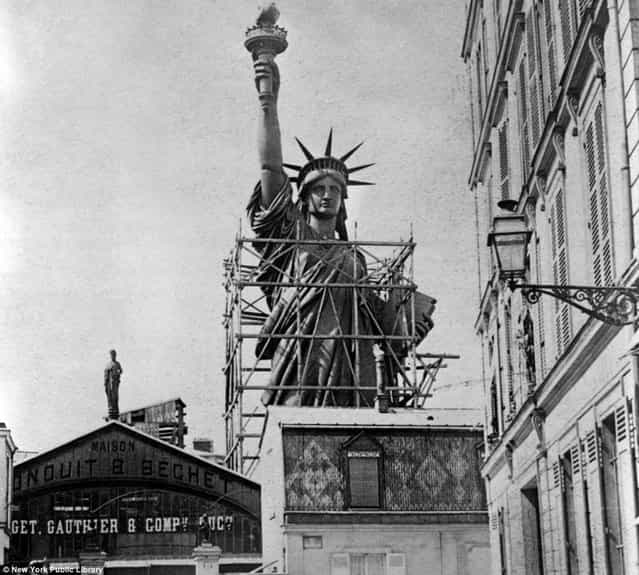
(312, 310)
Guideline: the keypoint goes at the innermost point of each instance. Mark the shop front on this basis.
(136, 504)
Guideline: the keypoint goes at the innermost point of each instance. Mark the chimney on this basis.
(203, 444)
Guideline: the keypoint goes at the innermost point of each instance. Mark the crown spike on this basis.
(292, 166)
(308, 155)
(359, 183)
(329, 143)
(349, 154)
(357, 168)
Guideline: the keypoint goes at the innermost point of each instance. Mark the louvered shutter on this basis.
(508, 330)
(504, 167)
(340, 564)
(533, 84)
(599, 199)
(567, 16)
(523, 119)
(592, 453)
(545, 488)
(396, 564)
(578, 477)
(551, 56)
(622, 428)
(540, 352)
(560, 270)
(557, 513)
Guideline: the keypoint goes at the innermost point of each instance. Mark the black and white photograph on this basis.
(336, 287)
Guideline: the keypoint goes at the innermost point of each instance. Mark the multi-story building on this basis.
(7, 449)
(554, 93)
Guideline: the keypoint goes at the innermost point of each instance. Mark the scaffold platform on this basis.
(409, 374)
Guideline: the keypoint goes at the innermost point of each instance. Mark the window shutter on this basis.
(363, 473)
(396, 564)
(523, 119)
(575, 460)
(551, 56)
(541, 331)
(510, 392)
(480, 81)
(533, 87)
(560, 270)
(556, 474)
(340, 564)
(504, 167)
(599, 200)
(621, 428)
(592, 448)
(568, 26)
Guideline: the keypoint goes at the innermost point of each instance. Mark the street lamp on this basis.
(509, 237)
(509, 240)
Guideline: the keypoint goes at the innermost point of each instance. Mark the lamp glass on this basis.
(509, 240)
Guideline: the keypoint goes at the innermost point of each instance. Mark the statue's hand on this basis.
(266, 68)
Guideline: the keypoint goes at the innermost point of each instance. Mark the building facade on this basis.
(133, 502)
(7, 450)
(554, 95)
(354, 491)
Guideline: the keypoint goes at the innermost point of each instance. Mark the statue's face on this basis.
(324, 197)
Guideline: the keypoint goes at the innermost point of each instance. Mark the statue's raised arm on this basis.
(269, 140)
(264, 41)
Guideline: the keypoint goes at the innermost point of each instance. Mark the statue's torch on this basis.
(265, 40)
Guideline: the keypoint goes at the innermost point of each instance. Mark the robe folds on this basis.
(309, 299)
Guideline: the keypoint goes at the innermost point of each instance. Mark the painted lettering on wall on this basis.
(106, 525)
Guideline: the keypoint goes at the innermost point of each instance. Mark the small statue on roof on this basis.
(112, 374)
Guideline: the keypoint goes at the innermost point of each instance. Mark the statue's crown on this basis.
(327, 162)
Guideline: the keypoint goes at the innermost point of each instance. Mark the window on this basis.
(363, 470)
(368, 564)
(598, 197)
(493, 432)
(531, 525)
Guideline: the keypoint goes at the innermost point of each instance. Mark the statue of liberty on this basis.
(311, 271)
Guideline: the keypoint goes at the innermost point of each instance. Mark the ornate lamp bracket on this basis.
(614, 305)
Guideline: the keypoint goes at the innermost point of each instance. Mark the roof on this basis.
(131, 430)
(454, 418)
(156, 404)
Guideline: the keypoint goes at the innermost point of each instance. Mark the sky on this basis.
(127, 155)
